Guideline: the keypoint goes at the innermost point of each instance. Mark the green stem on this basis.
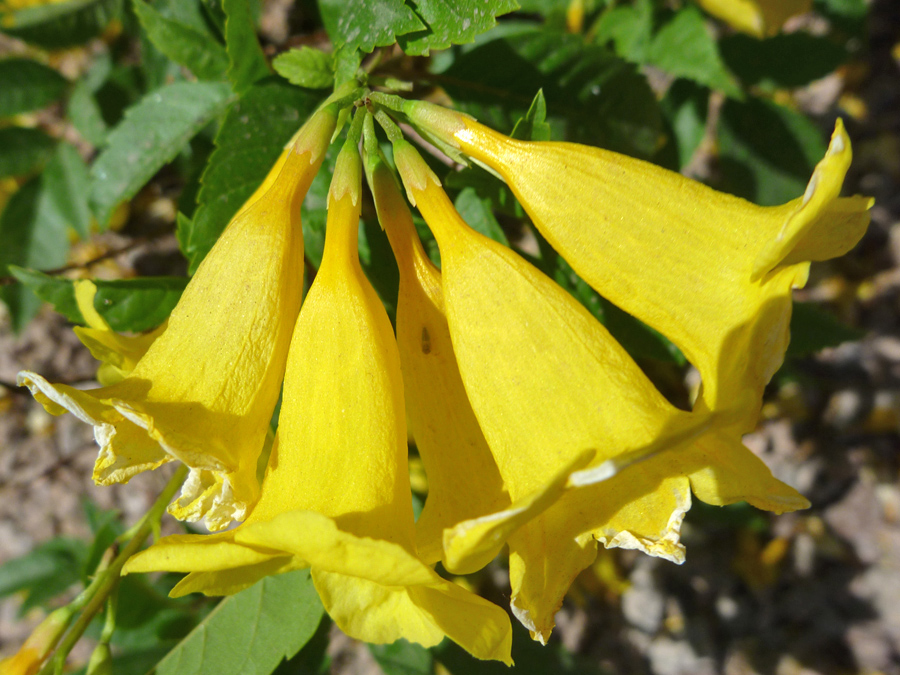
(390, 127)
(107, 580)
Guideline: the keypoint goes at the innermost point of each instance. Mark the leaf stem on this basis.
(95, 595)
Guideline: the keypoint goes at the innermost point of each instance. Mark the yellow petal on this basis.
(641, 509)
(317, 539)
(424, 614)
(118, 353)
(231, 581)
(463, 479)
(710, 271)
(206, 387)
(729, 473)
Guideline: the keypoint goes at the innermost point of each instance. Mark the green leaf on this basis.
(45, 572)
(249, 142)
(785, 60)
(685, 48)
(852, 9)
(83, 109)
(346, 64)
(61, 24)
(58, 291)
(629, 28)
(685, 108)
(533, 126)
(137, 305)
(152, 133)
(306, 67)
(32, 237)
(66, 180)
(814, 328)
(478, 215)
(403, 658)
(597, 98)
(23, 150)
(767, 151)
(246, 61)
(127, 305)
(28, 85)
(251, 632)
(366, 25)
(452, 22)
(197, 51)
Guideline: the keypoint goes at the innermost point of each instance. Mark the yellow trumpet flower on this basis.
(205, 390)
(710, 271)
(463, 479)
(336, 497)
(756, 17)
(565, 411)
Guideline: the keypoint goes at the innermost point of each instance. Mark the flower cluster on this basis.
(537, 430)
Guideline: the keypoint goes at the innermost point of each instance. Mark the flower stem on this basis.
(106, 581)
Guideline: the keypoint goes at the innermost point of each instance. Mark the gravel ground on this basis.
(805, 593)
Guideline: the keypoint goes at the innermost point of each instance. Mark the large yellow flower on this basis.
(565, 412)
(205, 390)
(710, 271)
(336, 496)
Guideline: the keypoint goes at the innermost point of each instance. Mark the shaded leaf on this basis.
(452, 22)
(403, 658)
(314, 212)
(629, 28)
(153, 131)
(767, 151)
(478, 215)
(250, 632)
(598, 98)
(23, 150)
(246, 61)
(197, 51)
(28, 85)
(685, 48)
(249, 142)
(785, 60)
(366, 25)
(32, 237)
(533, 126)
(66, 180)
(58, 291)
(306, 67)
(137, 305)
(814, 328)
(60, 24)
(45, 572)
(127, 305)
(685, 108)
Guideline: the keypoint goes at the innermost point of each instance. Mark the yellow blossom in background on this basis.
(710, 271)
(118, 354)
(205, 390)
(336, 497)
(759, 18)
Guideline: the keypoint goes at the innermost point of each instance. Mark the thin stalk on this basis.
(107, 580)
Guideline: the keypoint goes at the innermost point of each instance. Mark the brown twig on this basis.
(8, 280)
